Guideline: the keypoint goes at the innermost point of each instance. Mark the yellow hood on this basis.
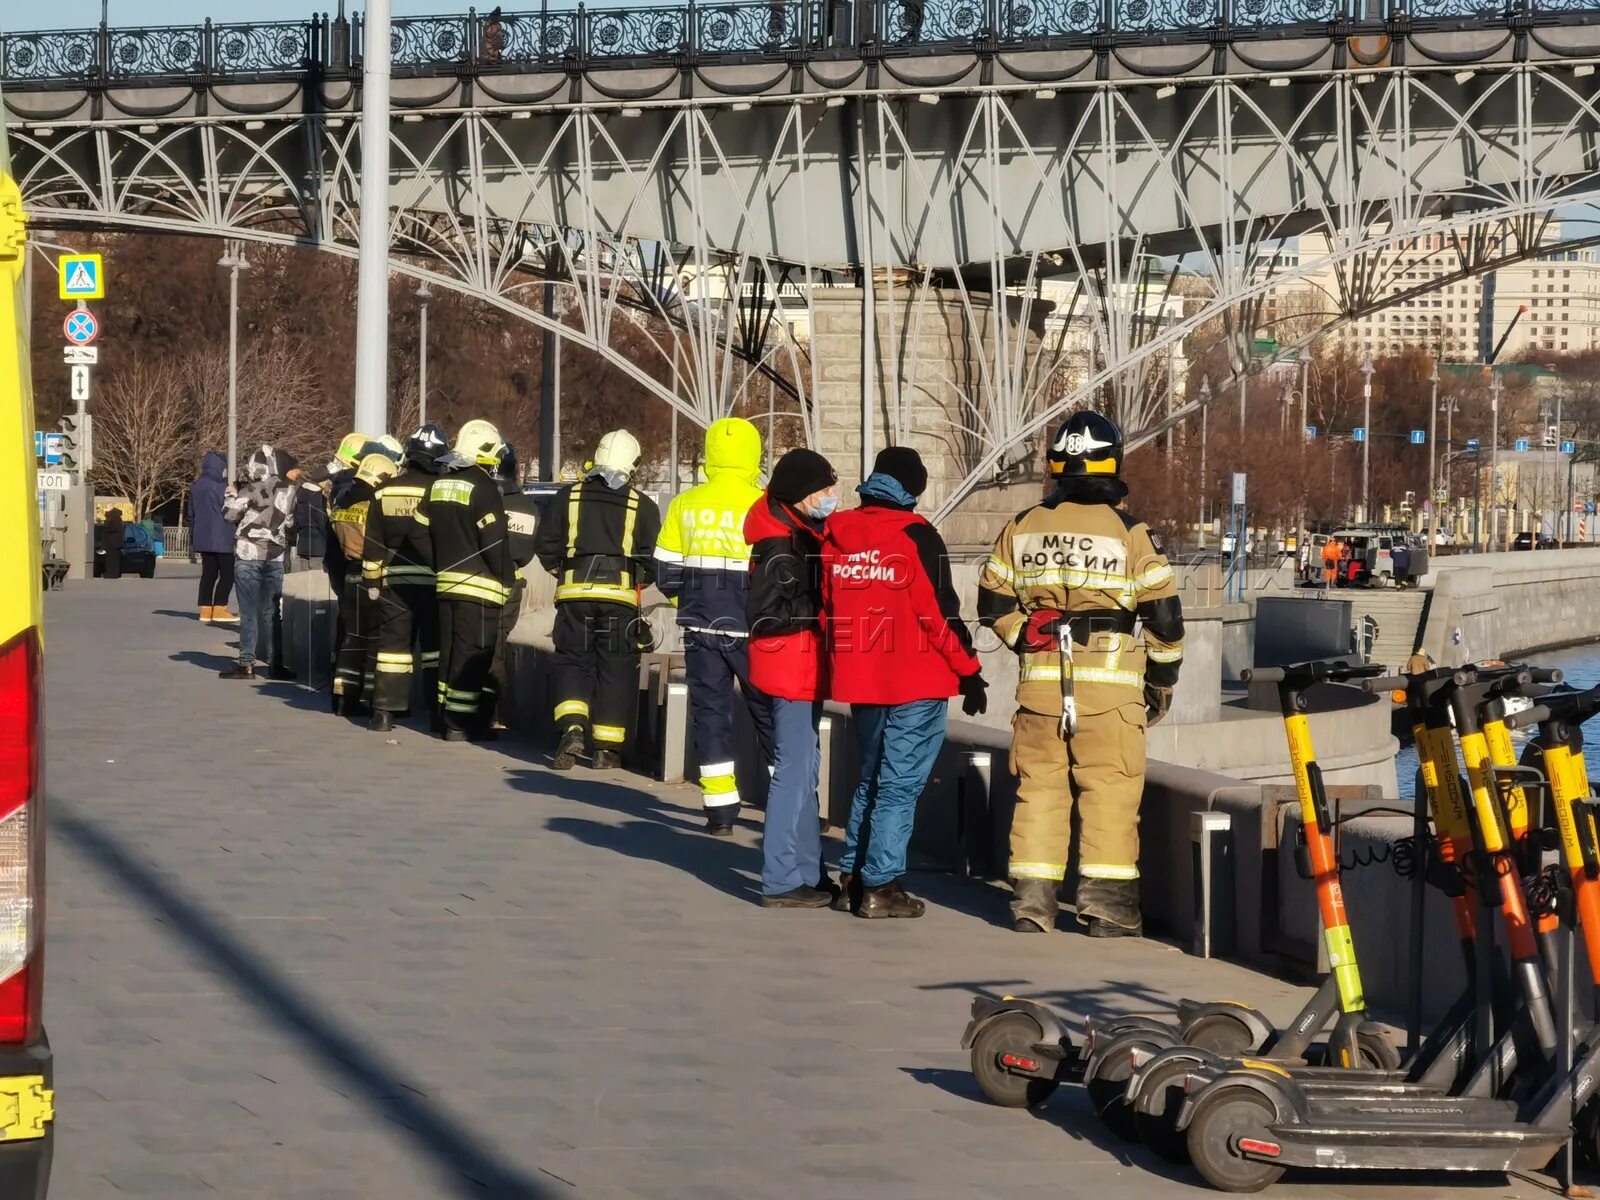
(733, 445)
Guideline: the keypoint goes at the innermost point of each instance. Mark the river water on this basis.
(1580, 665)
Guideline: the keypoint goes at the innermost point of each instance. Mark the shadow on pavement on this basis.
(1069, 1110)
(467, 1166)
(180, 613)
(1108, 998)
(200, 658)
(659, 833)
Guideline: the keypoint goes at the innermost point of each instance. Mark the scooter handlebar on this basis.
(1545, 675)
(1263, 675)
(1386, 683)
(1528, 716)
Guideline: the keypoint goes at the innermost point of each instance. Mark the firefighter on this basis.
(1069, 586)
(703, 567)
(358, 611)
(522, 523)
(599, 540)
(400, 571)
(465, 522)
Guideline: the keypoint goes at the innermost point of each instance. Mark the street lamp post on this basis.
(233, 261)
(423, 296)
(1494, 453)
(1366, 438)
(1305, 383)
(1433, 456)
(1205, 424)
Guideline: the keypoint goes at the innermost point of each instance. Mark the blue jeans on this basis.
(258, 586)
(899, 743)
(791, 844)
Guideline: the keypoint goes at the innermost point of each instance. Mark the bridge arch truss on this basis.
(729, 217)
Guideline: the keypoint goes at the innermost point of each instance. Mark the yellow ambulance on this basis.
(27, 1110)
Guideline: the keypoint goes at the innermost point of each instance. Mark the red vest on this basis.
(888, 640)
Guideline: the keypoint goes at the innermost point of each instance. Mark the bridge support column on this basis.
(372, 299)
(936, 344)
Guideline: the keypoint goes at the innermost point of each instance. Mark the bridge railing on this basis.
(579, 36)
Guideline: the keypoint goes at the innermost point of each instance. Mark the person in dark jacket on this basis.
(522, 526)
(464, 519)
(112, 532)
(211, 537)
(784, 529)
(310, 523)
(401, 570)
(897, 652)
(599, 541)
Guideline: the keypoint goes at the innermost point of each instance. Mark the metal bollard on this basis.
(674, 733)
(824, 771)
(1211, 839)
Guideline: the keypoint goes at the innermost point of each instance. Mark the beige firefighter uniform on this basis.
(1100, 567)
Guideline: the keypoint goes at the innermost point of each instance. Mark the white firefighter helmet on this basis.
(481, 442)
(618, 451)
(392, 447)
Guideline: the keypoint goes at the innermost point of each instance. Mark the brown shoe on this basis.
(891, 900)
(205, 613)
(848, 894)
(800, 897)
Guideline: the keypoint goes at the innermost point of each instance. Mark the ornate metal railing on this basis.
(578, 36)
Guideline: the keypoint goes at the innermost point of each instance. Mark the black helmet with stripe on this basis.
(426, 447)
(1086, 444)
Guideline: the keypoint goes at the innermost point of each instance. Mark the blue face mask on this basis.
(825, 506)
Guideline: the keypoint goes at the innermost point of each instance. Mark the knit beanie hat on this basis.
(799, 473)
(905, 465)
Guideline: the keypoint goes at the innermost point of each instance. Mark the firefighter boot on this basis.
(607, 760)
(1033, 905)
(382, 721)
(1110, 907)
(569, 750)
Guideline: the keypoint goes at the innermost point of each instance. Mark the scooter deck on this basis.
(1464, 1145)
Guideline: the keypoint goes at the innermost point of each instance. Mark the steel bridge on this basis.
(723, 165)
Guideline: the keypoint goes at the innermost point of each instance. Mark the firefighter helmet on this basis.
(1086, 444)
(481, 442)
(390, 445)
(506, 469)
(618, 451)
(349, 452)
(375, 468)
(427, 446)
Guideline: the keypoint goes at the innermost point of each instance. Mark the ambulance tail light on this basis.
(21, 837)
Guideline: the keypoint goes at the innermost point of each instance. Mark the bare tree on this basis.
(143, 444)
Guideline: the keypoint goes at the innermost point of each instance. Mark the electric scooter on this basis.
(1022, 1050)
(1245, 1126)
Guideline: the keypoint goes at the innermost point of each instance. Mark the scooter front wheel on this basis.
(1010, 1036)
(1159, 1129)
(1224, 1127)
(1108, 1092)
(1221, 1034)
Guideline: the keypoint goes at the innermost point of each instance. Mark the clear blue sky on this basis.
(75, 14)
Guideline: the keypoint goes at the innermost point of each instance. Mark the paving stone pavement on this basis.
(290, 958)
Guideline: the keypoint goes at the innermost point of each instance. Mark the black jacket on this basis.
(463, 518)
(522, 521)
(310, 521)
(608, 554)
(785, 593)
(401, 553)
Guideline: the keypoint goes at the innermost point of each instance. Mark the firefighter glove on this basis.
(974, 695)
(1157, 702)
(1042, 631)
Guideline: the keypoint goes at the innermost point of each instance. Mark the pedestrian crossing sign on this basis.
(83, 277)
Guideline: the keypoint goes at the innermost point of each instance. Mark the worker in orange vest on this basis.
(1332, 552)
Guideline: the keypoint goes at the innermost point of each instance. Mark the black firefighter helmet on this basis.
(1086, 444)
(426, 447)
